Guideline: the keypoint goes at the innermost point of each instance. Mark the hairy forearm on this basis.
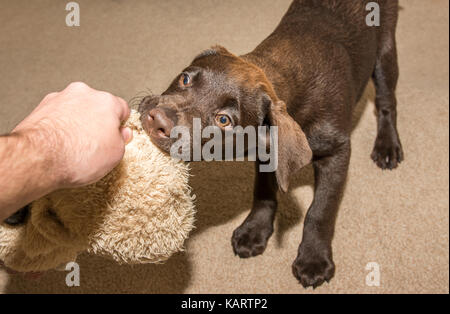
(26, 170)
(71, 139)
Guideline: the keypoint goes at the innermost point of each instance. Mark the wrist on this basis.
(39, 145)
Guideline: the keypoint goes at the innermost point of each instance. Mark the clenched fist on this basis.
(81, 128)
(72, 138)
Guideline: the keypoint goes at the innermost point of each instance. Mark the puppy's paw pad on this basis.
(313, 272)
(387, 154)
(250, 241)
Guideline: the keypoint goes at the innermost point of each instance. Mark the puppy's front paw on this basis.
(250, 240)
(313, 268)
(387, 152)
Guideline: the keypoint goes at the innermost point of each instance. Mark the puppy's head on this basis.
(221, 89)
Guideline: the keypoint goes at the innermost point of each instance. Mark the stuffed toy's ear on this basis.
(293, 148)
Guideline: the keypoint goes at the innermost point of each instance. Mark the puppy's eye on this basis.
(222, 120)
(185, 80)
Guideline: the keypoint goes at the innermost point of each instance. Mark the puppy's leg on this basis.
(314, 263)
(250, 239)
(387, 152)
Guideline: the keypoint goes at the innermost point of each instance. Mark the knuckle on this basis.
(78, 85)
(105, 101)
(49, 96)
(108, 96)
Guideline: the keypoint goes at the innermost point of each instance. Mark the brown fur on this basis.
(318, 62)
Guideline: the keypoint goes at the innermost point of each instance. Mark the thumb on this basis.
(127, 134)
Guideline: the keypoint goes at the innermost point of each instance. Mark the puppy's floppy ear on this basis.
(293, 149)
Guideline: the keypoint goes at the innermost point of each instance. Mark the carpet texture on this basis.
(398, 219)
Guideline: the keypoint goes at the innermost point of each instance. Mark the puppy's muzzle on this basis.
(158, 124)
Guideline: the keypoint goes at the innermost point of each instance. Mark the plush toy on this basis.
(141, 212)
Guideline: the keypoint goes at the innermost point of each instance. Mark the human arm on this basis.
(72, 138)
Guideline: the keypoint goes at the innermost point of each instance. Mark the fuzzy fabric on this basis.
(141, 212)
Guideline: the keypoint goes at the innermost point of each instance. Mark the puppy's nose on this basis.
(159, 123)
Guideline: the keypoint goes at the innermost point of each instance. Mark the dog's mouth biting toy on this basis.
(141, 212)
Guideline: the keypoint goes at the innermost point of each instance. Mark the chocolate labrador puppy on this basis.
(305, 78)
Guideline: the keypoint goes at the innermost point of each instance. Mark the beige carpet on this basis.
(398, 219)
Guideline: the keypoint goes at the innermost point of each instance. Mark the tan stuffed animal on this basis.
(139, 213)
